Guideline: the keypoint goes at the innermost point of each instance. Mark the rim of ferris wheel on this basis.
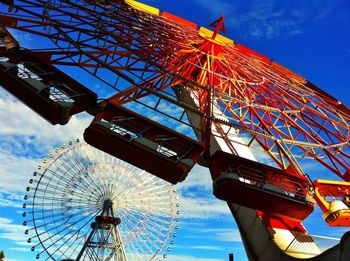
(143, 142)
(77, 187)
(287, 194)
(46, 90)
(338, 104)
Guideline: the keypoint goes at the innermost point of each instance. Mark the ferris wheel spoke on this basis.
(66, 168)
(60, 209)
(65, 217)
(127, 225)
(135, 189)
(156, 222)
(156, 234)
(55, 242)
(149, 220)
(68, 248)
(104, 188)
(94, 186)
(146, 187)
(84, 186)
(72, 248)
(142, 206)
(78, 164)
(134, 251)
(52, 175)
(148, 246)
(65, 223)
(60, 202)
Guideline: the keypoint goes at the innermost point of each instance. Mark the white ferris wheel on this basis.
(83, 204)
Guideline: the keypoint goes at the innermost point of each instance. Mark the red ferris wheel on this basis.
(243, 110)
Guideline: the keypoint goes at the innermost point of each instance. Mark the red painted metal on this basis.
(249, 51)
(252, 184)
(219, 26)
(144, 143)
(273, 222)
(8, 2)
(179, 19)
(330, 99)
(108, 220)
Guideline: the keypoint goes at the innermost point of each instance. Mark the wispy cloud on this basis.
(21, 249)
(11, 231)
(190, 258)
(207, 248)
(274, 19)
(15, 233)
(202, 208)
(198, 178)
(21, 121)
(15, 172)
(218, 234)
(197, 201)
(8, 200)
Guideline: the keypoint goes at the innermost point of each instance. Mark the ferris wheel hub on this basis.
(108, 203)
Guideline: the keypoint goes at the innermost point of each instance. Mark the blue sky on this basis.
(308, 37)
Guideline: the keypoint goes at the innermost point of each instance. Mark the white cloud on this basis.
(4, 221)
(15, 172)
(199, 178)
(230, 235)
(11, 231)
(9, 203)
(21, 121)
(209, 248)
(190, 258)
(20, 249)
(197, 200)
(217, 234)
(201, 247)
(202, 208)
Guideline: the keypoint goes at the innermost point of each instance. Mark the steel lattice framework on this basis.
(153, 54)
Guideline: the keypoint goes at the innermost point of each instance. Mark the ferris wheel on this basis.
(173, 94)
(83, 204)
